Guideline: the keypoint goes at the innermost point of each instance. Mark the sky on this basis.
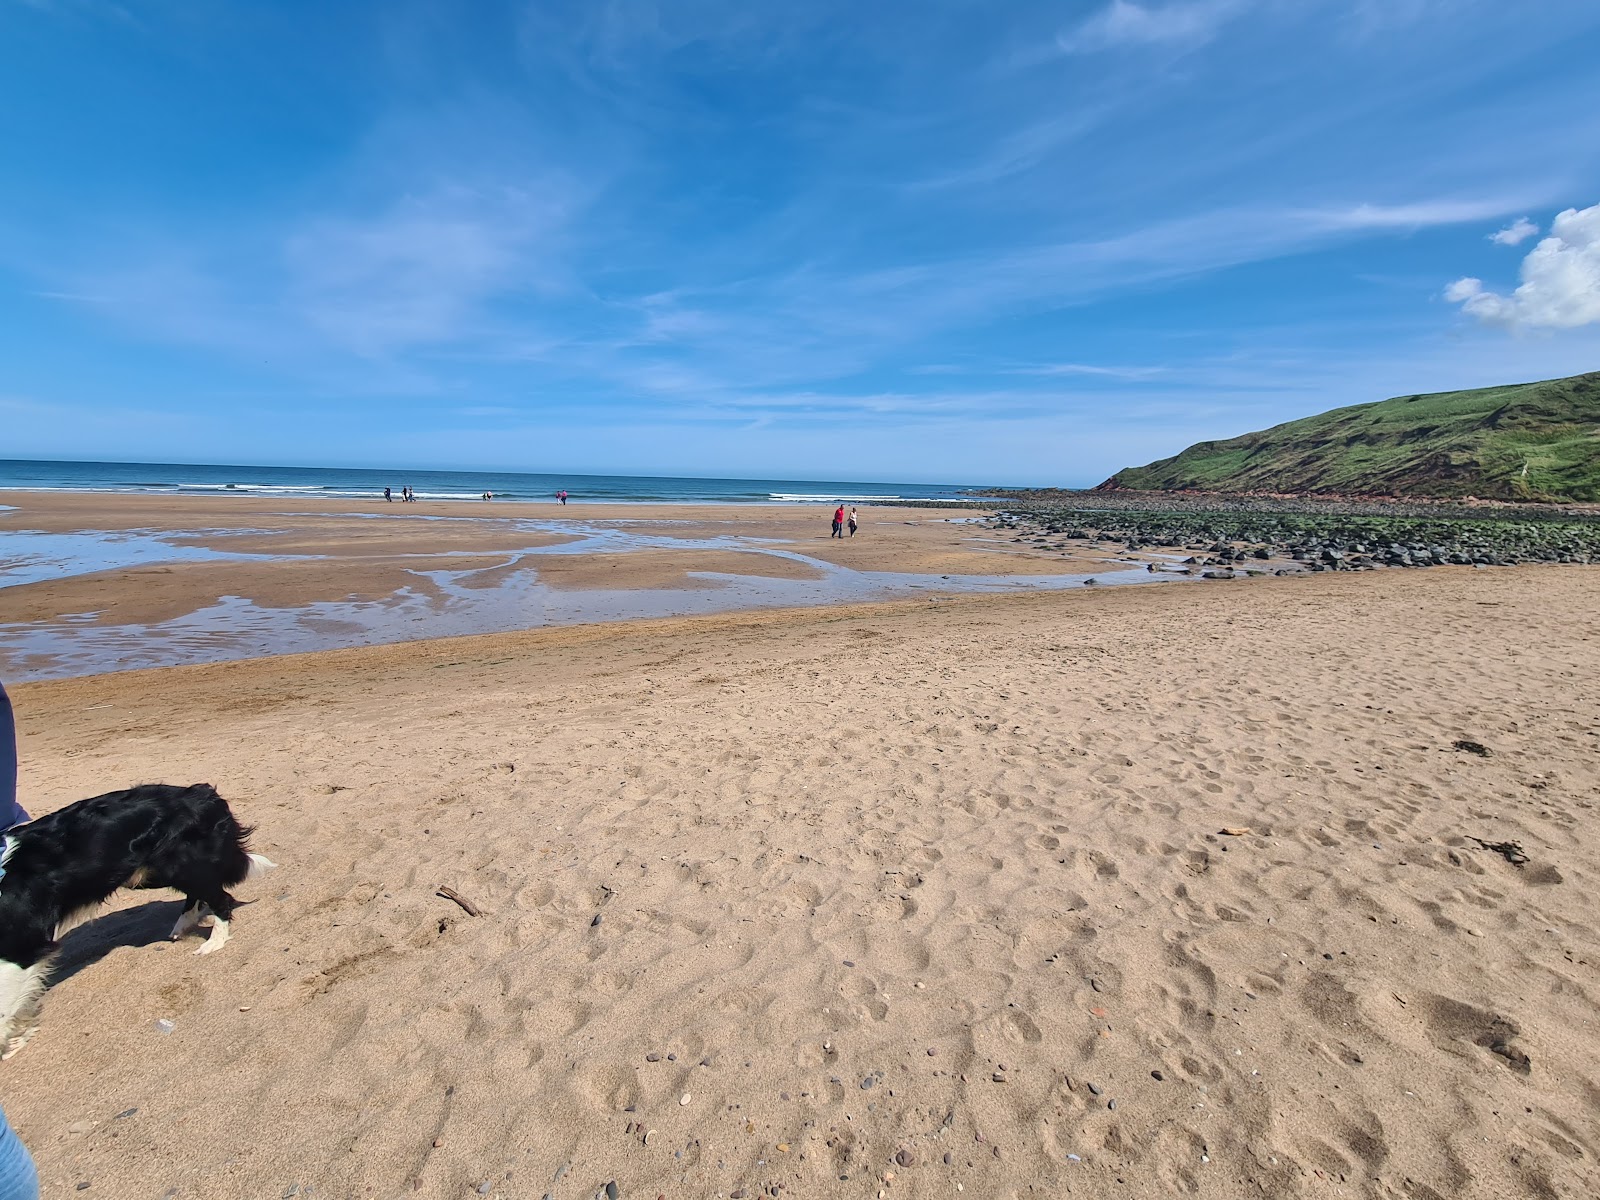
(944, 241)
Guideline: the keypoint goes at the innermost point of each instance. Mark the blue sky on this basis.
(942, 240)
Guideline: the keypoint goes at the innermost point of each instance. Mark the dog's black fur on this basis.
(153, 836)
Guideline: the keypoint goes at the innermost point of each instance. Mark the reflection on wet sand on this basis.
(88, 601)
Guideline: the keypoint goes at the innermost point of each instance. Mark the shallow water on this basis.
(28, 556)
(442, 603)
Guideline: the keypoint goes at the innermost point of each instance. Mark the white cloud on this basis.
(1125, 23)
(1560, 280)
(415, 273)
(1515, 233)
(1421, 215)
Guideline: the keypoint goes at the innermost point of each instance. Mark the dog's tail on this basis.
(260, 864)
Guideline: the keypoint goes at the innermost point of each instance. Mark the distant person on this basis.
(562, 496)
(488, 495)
(853, 521)
(838, 522)
(388, 496)
(18, 1179)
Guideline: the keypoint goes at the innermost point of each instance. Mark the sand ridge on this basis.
(916, 889)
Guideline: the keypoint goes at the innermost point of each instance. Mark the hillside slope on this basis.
(1528, 441)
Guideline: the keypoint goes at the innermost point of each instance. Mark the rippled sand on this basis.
(915, 889)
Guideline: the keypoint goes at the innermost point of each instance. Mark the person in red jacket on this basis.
(838, 521)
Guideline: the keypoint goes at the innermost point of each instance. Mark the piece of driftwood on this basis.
(471, 909)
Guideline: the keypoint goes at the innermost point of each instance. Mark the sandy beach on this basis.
(906, 899)
(109, 582)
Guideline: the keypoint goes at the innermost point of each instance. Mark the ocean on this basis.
(363, 483)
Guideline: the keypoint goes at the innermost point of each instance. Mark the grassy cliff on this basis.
(1526, 441)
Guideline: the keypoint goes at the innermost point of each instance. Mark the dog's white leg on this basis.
(20, 990)
(188, 920)
(218, 938)
(260, 864)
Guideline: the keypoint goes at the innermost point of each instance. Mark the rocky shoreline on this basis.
(1260, 535)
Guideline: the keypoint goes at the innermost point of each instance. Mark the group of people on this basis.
(18, 1179)
(407, 496)
(840, 521)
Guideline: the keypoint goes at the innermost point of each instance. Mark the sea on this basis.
(367, 483)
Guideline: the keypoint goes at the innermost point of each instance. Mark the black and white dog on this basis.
(56, 871)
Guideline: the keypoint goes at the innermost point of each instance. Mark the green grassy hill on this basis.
(1526, 441)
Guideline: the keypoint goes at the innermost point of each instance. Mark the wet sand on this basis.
(109, 582)
(879, 899)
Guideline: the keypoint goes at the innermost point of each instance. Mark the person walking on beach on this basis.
(853, 521)
(562, 496)
(388, 496)
(18, 1178)
(838, 522)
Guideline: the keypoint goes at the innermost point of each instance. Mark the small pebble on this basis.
(1094, 1089)
(125, 1114)
(683, 1099)
(1157, 1076)
(485, 1188)
(867, 1083)
(1112, 1105)
(649, 1136)
(1095, 984)
(611, 1190)
(1073, 1158)
(165, 1026)
(848, 963)
(652, 1057)
(437, 1142)
(595, 922)
(905, 1158)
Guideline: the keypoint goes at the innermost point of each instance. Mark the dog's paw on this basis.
(15, 1044)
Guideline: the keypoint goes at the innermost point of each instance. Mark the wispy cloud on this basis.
(1515, 233)
(1182, 23)
(1131, 374)
(417, 272)
(1421, 215)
